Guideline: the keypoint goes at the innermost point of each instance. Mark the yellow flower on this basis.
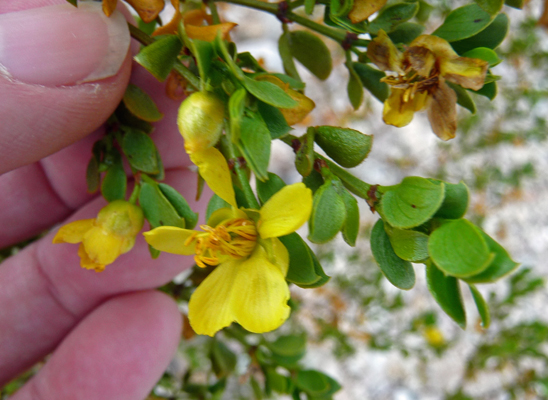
(422, 70)
(248, 285)
(104, 238)
(433, 336)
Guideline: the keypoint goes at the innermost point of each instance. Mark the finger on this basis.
(117, 352)
(45, 292)
(59, 81)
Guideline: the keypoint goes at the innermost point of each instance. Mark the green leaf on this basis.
(463, 97)
(313, 181)
(204, 53)
(488, 90)
(156, 207)
(73, 2)
(491, 37)
(304, 156)
(514, 3)
(140, 104)
(301, 264)
(236, 107)
(140, 151)
(114, 183)
(371, 80)
(255, 144)
(459, 249)
(399, 273)
(392, 16)
(284, 48)
(125, 117)
(406, 32)
(482, 307)
(351, 226)
(246, 60)
(274, 120)
(311, 52)
(411, 203)
(288, 345)
(266, 189)
(223, 360)
(501, 265)
(343, 22)
(159, 57)
(463, 22)
(324, 278)
(491, 6)
(328, 213)
(180, 204)
(446, 292)
(347, 147)
(312, 382)
(408, 245)
(275, 381)
(309, 6)
(484, 53)
(214, 204)
(341, 7)
(269, 93)
(93, 177)
(354, 87)
(455, 202)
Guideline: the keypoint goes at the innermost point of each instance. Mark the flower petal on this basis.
(86, 262)
(440, 47)
(170, 239)
(214, 169)
(467, 72)
(222, 214)
(397, 112)
(210, 307)
(286, 211)
(384, 53)
(209, 33)
(442, 111)
(73, 232)
(171, 26)
(279, 256)
(260, 294)
(101, 246)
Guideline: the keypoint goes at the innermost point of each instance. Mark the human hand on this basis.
(111, 335)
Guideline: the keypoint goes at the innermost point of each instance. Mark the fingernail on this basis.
(62, 45)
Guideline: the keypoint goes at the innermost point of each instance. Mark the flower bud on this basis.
(200, 121)
(121, 218)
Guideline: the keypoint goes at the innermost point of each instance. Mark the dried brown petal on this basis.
(442, 111)
(148, 10)
(467, 72)
(109, 6)
(384, 54)
(171, 26)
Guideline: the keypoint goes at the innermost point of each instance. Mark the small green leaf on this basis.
(491, 6)
(308, 6)
(463, 22)
(371, 80)
(354, 87)
(140, 151)
(485, 54)
(324, 278)
(491, 37)
(446, 292)
(455, 202)
(463, 97)
(269, 93)
(236, 107)
(304, 157)
(408, 245)
(284, 49)
(266, 189)
(341, 8)
(482, 306)
(351, 226)
(223, 360)
(246, 60)
(459, 249)
(411, 203)
(514, 3)
(204, 53)
(114, 183)
(301, 264)
(311, 52)
(289, 345)
(406, 32)
(392, 16)
(399, 272)
(501, 265)
(347, 147)
(255, 144)
(93, 177)
(180, 204)
(274, 120)
(312, 382)
(157, 209)
(126, 118)
(140, 104)
(488, 90)
(313, 181)
(73, 2)
(328, 213)
(275, 381)
(159, 57)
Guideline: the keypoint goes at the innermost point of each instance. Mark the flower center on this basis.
(235, 238)
(411, 82)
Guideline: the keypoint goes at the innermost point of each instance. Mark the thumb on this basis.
(63, 70)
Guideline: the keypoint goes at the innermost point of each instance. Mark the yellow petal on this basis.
(260, 294)
(440, 47)
(195, 17)
(170, 239)
(442, 112)
(363, 9)
(210, 307)
(101, 246)
(384, 53)
(86, 262)
(214, 169)
(467, 72)
(73, 232)
(286, 211)
(148, 10)
(397, 112)
(279, 256)
(209, 33)
(223, 214)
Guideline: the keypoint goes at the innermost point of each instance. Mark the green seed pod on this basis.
(347, 147)
(200, 121)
